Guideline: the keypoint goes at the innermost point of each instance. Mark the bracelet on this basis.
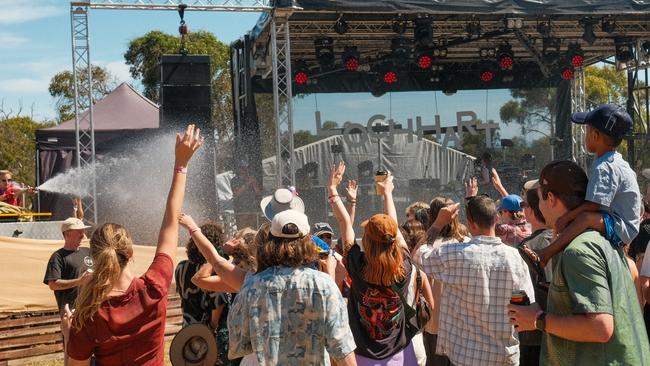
(331, 196)
(180, 169)
(334, 199)
(195, 229)
(352, 201)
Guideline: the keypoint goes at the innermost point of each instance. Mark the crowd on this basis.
(554, 276)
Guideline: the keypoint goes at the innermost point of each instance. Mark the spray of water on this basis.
(132, 182)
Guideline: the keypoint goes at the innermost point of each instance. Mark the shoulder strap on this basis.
(407, 307)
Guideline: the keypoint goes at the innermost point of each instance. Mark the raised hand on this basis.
(446, 215)
(186, 221)
(336, 175)
(351, 190)
(471, 187)
(187, 145)
(387, 185)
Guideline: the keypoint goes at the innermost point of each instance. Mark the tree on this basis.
(62, 88)
(17, 148)
(143, 57)
(302, 138)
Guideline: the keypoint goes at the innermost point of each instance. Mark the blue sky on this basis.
(35, 45)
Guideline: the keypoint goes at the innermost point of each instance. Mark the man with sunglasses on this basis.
(10, 190)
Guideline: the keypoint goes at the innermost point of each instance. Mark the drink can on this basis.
(519, 297)
(380, 177)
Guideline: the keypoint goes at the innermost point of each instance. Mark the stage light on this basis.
(351, 58)
(624, 49)
(448, 85)
(575, 55)
(400, 47)
(423, 32)
(608, 25)
(487, 71)
(588, 34)
(567, 73)
(505, 57)
(300, 73)
(399, 27)
(390, 77)
(440, 52)
(473, 28)
(513, 23)
(424, 61)
(324, 48)
(341, 26)
(544, 28)
(437, 67)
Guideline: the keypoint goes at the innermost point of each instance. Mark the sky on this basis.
(35, 44)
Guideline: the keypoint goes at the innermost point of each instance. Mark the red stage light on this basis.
(505, 62)
(487, 76)
(301, 78)
(424, 62)
(567, 74)
(351, 63)
(577, 60)
(390, 77)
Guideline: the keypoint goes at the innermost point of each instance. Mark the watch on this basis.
(540, 322)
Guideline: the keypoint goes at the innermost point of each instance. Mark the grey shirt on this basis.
(612, 184)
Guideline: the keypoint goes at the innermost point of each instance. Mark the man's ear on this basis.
(552, 199)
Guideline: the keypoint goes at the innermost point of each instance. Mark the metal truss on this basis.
(579, 104)
(200, 5)
(282, 100)
(83, 103)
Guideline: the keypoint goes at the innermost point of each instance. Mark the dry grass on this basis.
(60, 362)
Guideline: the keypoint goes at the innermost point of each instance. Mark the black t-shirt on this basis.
(66, 265)
(640, 243)
(197, 304)
(376, 313)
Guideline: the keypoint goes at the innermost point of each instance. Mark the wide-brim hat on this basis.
(281, 200)
(193, 345)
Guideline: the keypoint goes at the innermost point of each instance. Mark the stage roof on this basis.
(370, 27)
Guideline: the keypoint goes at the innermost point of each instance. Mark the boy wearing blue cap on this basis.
(613, 199)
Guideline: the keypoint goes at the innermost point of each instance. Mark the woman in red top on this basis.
(120, 319)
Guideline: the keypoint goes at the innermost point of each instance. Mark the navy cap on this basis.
(608, 118)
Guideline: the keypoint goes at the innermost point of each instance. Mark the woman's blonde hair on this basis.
(413, 207)
(111, 249)
(455, 229)
(384, 257)
(244, 253)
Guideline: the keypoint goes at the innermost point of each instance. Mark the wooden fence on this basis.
(29, 337)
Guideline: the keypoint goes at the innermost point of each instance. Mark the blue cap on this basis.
(611, 119)
(511, 202)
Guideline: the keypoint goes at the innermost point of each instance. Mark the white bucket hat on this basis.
(281, 200)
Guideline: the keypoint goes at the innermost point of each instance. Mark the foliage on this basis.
(303, 137)
(17, 148)
(62, 89)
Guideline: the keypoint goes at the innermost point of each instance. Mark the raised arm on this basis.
(496, 182)
(232, 275)
(186, 145)
(351, 195)
(341, 215)
(206, 280)
(389, 206)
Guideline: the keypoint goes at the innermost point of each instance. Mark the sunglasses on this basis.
(6, 180)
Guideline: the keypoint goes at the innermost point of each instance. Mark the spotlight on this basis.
(324, 48)
(608, 25)
(448, 85)
(513, 23)
(567, 72)
(624, 49)
(551, 46)
(440, 52)
(437, 68)
(400, 47)
(544, 28)
(399, 27)
(588, 34)
(473, 28)
(487, 75)
(351, 58)
(505, 57)
(424, 61)
(301, 73)
(575, 55)
(390, 77)
(341, 26)
(423, 32)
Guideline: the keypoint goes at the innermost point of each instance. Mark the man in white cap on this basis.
(68, 267)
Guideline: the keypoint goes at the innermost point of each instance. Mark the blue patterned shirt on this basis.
(290, 316)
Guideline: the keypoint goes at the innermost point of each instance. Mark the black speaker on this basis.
(186, 91)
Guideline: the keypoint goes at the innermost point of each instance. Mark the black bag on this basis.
(416, 318)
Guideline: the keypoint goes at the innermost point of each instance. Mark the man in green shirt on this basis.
(593, 315)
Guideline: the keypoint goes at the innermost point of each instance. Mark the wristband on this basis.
(180, 169)
(332, 196)
(195, 229)
(334, 199)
